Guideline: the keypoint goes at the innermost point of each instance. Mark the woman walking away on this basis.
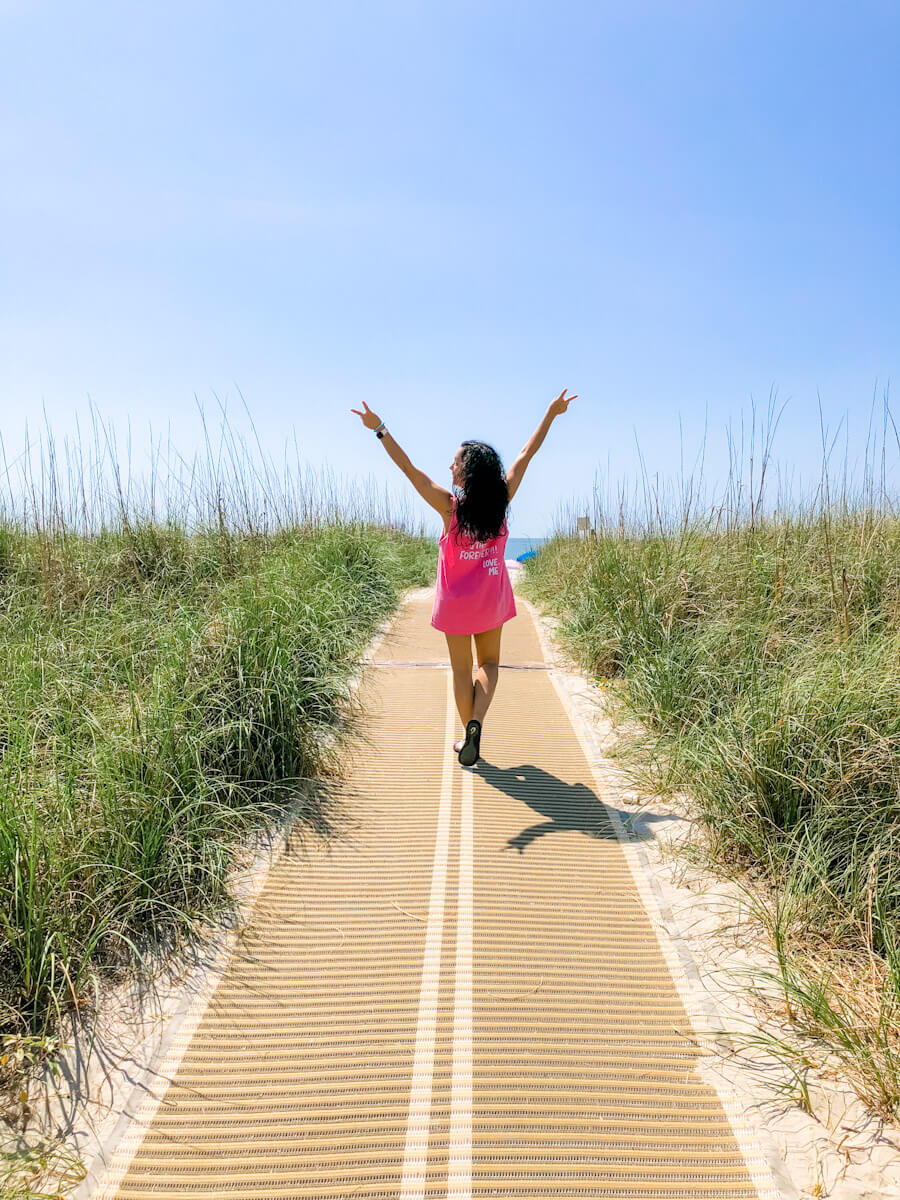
(473, 596)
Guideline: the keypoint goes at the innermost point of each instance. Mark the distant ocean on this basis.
(519, 545)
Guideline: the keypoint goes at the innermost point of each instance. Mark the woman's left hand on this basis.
(369, 419)
(561, 403)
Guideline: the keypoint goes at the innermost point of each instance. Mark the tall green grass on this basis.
(175, 680)
(760, 649)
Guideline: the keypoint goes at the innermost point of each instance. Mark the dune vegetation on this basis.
(175, 667)
(757, 649)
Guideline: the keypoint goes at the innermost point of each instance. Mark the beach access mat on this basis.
(458, 992)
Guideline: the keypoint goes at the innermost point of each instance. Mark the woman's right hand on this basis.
(369, 419)
(561, 403)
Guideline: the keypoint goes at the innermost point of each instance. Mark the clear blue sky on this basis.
(452, 209)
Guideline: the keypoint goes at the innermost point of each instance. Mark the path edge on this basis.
(764, 1163)
(141, 1104)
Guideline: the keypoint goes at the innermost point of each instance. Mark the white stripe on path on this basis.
(459, 1171)
(415, 1154)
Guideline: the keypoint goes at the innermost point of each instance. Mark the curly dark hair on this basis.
(483, 499)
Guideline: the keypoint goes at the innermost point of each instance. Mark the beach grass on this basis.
(175, 668)
(756, 650)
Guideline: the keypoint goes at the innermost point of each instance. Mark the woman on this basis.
(474, 595)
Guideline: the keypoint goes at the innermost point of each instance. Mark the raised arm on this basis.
(439, 498)
(531, 447)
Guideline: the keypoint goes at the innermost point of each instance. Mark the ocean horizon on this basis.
(520, 545)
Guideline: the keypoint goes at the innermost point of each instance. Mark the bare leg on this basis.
(460, 648)
(487, 647)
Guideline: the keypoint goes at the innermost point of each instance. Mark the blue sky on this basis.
(452, 210)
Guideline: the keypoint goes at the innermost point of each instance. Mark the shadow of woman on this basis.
(567, 805)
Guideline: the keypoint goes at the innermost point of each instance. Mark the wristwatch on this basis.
(380, 430)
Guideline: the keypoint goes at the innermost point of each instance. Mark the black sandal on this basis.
(469, 751)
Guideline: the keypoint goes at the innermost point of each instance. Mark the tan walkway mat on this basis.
(459, 994)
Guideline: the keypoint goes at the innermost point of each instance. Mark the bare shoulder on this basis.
(447, 512)
(515, 473)
(435, 495)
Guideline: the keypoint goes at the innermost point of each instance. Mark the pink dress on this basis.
(473, 592)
